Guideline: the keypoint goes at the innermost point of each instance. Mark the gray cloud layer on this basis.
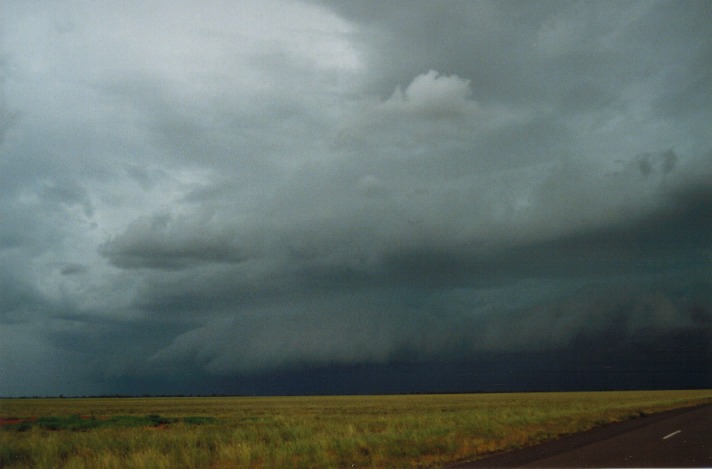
(274, 186)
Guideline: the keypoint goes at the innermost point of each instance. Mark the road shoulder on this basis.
(566, 443)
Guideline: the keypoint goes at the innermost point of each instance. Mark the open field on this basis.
(333, 431)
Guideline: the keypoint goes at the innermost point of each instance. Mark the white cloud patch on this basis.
(433, 95)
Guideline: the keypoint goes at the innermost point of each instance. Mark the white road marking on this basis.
(672, 434)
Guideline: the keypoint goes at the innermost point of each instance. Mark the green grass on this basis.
(333, 431)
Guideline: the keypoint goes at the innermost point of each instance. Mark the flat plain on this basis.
(314, 432)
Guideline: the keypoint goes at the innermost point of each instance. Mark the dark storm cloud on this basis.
(510, 50)
(325, 308)
(321, 190)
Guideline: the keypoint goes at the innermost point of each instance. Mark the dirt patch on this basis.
(162, 426)
(14, 420)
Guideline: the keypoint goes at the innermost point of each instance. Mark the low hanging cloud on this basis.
(390, 292)
(354, 329)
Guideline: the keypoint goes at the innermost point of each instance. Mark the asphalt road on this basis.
(678, 438)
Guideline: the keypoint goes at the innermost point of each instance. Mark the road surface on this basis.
(678, 438)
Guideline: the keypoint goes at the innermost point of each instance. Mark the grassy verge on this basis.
(334, 431)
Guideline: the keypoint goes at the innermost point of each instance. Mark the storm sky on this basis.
(267, 197)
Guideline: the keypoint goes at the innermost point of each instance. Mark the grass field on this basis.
(314, 432)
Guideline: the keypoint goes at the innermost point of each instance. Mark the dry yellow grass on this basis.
(331, 431)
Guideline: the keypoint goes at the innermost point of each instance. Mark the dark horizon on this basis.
(637, 369)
